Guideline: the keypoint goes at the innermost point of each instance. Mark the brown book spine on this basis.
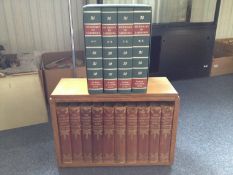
(120, 132)
(165, 133)
(64, 132)
(108, 138)
(76, 138)
(97, 133)
(85, 117)
(143, 133)
(131, 134)
(155, 116)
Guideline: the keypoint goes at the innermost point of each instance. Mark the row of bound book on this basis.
(117, 46)
(115, 133)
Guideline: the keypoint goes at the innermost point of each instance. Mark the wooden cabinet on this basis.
(72, 90)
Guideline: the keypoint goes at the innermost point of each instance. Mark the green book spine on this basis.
(125, 51)
(93, 48)
(109, 39)
(141, 48)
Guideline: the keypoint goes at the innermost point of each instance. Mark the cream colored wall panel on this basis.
(59, 25)
(225, 22)
(65, 24)
(7, 4)
(3, 28)
(22, 102)
(35, 25)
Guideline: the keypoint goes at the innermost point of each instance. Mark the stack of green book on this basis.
(117, 47)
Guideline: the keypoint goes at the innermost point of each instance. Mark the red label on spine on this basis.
(141, 29)
(139, 83)
(125, 29)
(92, 29)
(95, 84)
(110, 84)
(109, 30)
(124, 84)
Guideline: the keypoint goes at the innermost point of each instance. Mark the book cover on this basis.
(86, 131)
(64, 133)
(93, 48)
(165, 132)
(131, 133)
(108, 138)
(109, 39)
(97, 130)
(75, 126)
(155, 116)
(143, 132)
(125, 51)
(141, 48)
(120, 133)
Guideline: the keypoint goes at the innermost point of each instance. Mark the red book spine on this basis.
(64, 132)
(131, 134)
(155, 116)
(120, 132)
(85, 117)
(143, 133)
(108, 138)
(76, 139)
(97, 136)
(165, 133)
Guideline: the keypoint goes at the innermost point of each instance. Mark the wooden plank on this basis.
(78, 86)
(174, 129)
(78, 164)
(55, 130)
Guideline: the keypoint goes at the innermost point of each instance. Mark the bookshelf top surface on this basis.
(78, 86)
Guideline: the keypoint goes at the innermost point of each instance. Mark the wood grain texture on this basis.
(78, 86)
(159, 90)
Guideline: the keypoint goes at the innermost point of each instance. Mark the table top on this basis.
(78, 86)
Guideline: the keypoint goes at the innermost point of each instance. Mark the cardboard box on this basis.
(223, 57)
(57, 65)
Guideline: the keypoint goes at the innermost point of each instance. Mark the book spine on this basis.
(131, 134)
(76, 139)
(141, 48)
(86, 132)
(165, 133)
(64, 132)
(125, 52)
(108, 139)
(109, 39)
(143, 133)
(93, 48)
(97, 136)
(155, 116)
(120, 133)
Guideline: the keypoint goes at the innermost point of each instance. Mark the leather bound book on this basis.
(154, 132)
(108, 137)
(143, 132)
(141, 48)
(166, 132)
(120, 132)
(75, 126)
(109, 40)
(97, 132)
(125, 52)
(93, 48)
(85, 111)
(131, 133)
(64, 132)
